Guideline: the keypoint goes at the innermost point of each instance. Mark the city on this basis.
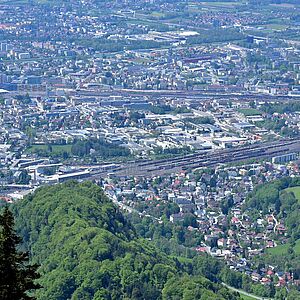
(185, 113)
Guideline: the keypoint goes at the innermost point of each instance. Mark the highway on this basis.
(210, 158)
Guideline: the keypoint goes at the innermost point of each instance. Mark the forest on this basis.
(280, 107)
(80, 148)
(86, 249)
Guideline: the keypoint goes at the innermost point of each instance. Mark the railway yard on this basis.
(253, 152)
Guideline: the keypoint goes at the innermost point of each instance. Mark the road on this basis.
(128, 208)
(276, 223)
(245, 293)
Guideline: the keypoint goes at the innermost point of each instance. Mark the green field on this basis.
(249, 111)
(200, 7)
(157, 14)
(282, 249)
(283, 5)
(222, 4)
(56, 149)
(295, 190)
(277, 26)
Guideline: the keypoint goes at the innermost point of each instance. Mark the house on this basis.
(188, 207)
(281, 282)
(270, 244)
(177, 217)
(265, 280)
(281, 229)
(270, 219)
(221, 242)
(255, 277)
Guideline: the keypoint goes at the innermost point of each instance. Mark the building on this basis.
(284, 158)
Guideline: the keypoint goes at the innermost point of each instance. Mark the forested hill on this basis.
(87, 250)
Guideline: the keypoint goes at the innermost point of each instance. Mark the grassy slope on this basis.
(282, 249)
(296, 191)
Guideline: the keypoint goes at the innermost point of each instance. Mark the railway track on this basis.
(210, 159)
(211, 154)
(205, 159)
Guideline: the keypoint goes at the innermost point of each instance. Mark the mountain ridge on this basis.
(87, 250)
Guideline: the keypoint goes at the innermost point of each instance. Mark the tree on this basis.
(16, 275)
(190, 220)
(91, 251)
(23, 178)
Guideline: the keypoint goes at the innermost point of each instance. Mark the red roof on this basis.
(6, 199)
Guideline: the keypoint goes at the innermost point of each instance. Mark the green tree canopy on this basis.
(88, 250)
(17, 277)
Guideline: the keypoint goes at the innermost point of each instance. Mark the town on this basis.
(203, 200)
(179, 110)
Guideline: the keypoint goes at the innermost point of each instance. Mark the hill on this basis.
(87, 250)
(281, 198)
